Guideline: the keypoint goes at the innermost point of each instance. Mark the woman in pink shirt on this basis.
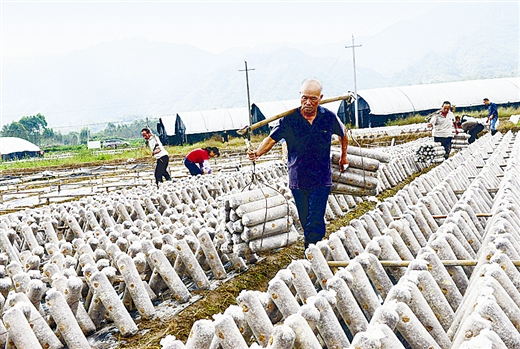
(197, 160)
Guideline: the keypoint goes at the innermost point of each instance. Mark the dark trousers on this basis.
(192, 167)
(446, 143)
(311, 205)
(161, 170)
(474, 133)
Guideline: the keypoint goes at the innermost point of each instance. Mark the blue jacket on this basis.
(492, 111)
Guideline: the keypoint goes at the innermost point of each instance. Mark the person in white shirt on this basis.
(443, 124)
(158, 151)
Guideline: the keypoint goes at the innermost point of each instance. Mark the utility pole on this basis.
(248, 98)
(355, 85)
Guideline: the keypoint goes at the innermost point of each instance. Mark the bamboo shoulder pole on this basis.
(441, 216)
(490, 190)
(480, 215)
(247, 129)
(390, 264)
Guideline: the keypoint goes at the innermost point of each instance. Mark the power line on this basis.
(120, 122)
(85, 125)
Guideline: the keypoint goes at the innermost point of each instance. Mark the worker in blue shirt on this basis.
(308, 132)
(492, 115)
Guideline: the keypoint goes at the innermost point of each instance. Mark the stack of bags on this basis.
(360, 178)
(259, 220)
(460, 141)
(432, 152)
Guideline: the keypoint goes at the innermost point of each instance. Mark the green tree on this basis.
(84, 135)
(71, 138)
(35, 126)
(15, 129)
(58, 137)
(48, 133)
(110, 130)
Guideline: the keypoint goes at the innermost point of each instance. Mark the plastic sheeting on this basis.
(406, 99)
(382, 101)
(209, 120)
(10, 145)
(168, 122)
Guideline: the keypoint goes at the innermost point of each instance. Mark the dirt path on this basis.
(256, 277)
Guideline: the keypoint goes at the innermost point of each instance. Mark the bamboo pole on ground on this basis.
(442, 216)
(396, 263)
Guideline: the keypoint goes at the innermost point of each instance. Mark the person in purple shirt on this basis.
(492, 115)
(308, 132)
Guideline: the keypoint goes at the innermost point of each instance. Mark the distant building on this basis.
(375, 108)
(379, 105)
(171, 130)
(196, 126)
(13, 148)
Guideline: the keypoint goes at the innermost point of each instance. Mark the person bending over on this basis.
(471, 126)
(197, 160)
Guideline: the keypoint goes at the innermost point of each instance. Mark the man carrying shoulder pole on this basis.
(308, 132)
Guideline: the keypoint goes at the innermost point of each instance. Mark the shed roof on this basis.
(10, 145)
(270, 109)
(204, 121)
(382, 101)
(168, 122)
(214, 120)
(405, 99)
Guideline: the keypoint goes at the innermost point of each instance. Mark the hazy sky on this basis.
(58, 27)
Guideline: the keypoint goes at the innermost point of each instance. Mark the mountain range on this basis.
(129, 79)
